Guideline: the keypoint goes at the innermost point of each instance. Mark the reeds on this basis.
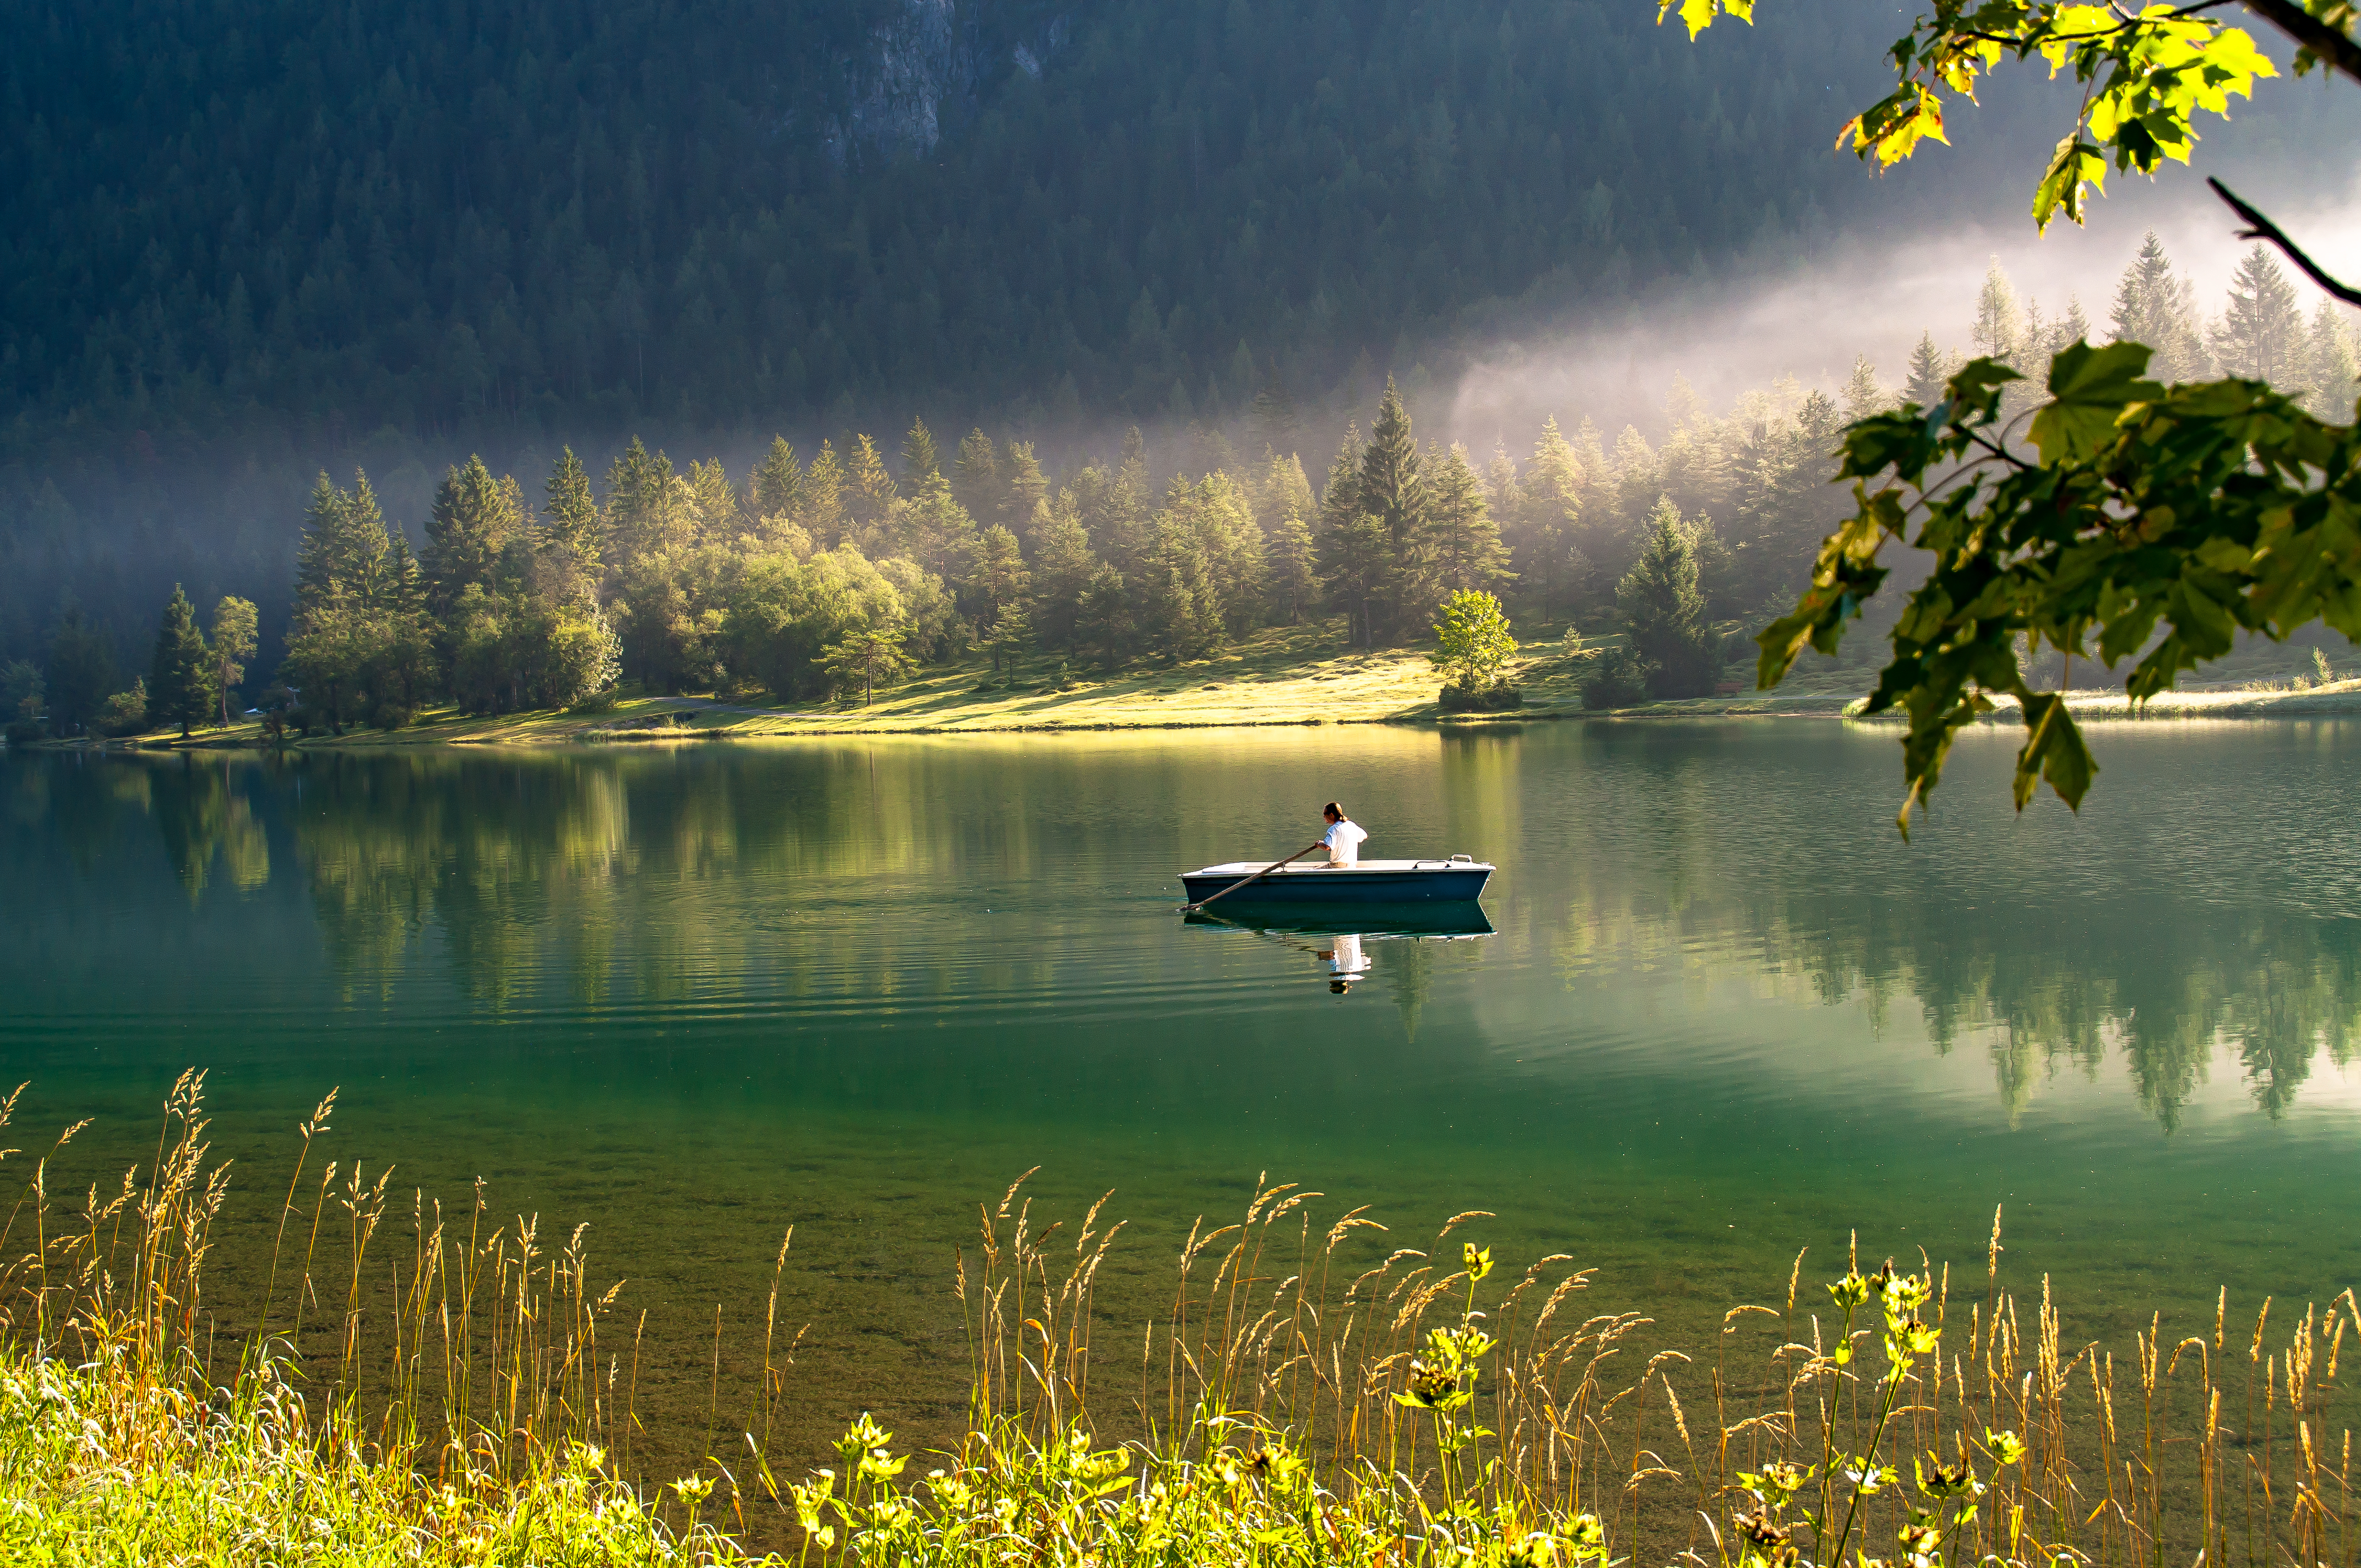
(1313, 1392)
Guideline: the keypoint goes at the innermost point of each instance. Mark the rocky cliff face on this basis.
(925, 61)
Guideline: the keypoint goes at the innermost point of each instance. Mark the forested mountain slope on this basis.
(242, 243)
(221, 219)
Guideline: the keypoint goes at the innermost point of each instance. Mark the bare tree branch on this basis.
(2260, 228)
(2331, 43)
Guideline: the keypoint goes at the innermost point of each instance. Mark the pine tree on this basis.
(999, 578)
(934, 529)
(1468, 553)
(1026, 488)
(1929, 369)
(775, 492)
(179, 679)
(975, 479)
(1350, 541)
(1863, 396)
(1664, 611)
(1273, 415)
(869, 494)
(473, 520)
(2261, 335)
(647, 507)
(2000, 323)
(1392, 488)
(1180, 611)
(1010, 634)
(2152, 307)
(822, 515)
(1546, 557)
(1102, 616)
(2330, 368)
(1290, 576)
(569, 519)
(713, 510)
(918, 459)
(344, 545)
(1062, 569)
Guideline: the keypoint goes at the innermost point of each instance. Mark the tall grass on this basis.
(1315, 1391)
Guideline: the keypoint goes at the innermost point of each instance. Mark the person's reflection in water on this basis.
(1346, 962)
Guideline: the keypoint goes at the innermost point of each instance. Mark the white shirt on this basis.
(1344, 959)
(1343, 841)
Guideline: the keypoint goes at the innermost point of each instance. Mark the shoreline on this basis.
(1278, 678)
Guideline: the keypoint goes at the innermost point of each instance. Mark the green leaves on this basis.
(2090, 389)
(2144, 79)
(2148, 524)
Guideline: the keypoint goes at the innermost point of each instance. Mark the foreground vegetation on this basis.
(1313, 1393)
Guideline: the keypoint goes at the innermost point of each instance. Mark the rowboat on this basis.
(1458, 880)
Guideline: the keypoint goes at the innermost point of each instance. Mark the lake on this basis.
(694, 995)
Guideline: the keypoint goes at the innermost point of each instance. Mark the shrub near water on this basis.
(1291, 1407)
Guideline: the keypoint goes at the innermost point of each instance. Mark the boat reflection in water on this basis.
(1341, 939)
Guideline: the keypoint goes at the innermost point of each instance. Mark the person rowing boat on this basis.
(1343, 837)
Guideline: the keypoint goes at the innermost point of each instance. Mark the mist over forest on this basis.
(269, 243)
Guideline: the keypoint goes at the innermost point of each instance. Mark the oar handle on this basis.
(1249, 882)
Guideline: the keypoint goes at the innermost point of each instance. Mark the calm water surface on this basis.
(695, 995)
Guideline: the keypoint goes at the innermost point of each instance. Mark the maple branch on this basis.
(2260, 228)
(2333, 44)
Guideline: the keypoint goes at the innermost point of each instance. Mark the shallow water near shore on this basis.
(692, 997)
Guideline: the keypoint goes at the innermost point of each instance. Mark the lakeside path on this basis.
(1289, 676)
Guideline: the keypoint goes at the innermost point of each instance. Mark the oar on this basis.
(1192, 908)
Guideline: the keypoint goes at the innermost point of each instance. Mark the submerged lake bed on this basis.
(1721, 1012)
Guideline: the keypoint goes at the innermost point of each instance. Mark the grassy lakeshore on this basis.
(1276, 676)
(1319, 1391)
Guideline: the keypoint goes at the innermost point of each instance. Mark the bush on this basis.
(392, 715)
(596, 702)
(1620, 679)
(1465, 696)
(25, 731)
(126, 713)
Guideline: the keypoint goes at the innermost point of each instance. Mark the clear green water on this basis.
(692, 996)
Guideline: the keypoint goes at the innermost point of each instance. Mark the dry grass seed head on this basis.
(1455, 1221)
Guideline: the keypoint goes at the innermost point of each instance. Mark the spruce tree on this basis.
(975, 479)
(180, 678)
(1929, 369)
(2000, 321)
(1026, 488)
(570, 518)
(2330, 369)
(2261, 335)
(919, 461)
(1063, 567)
(822, 514)
(344, 544)
(1290, 576)
(999, 578)
(776, 486)
(2154, 307)
(1468, 553)
(647, 507)
(1664, 612)
(473, 520)
(869, 494)
(1392, 490)
(1863, 396)
(1273, 415)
